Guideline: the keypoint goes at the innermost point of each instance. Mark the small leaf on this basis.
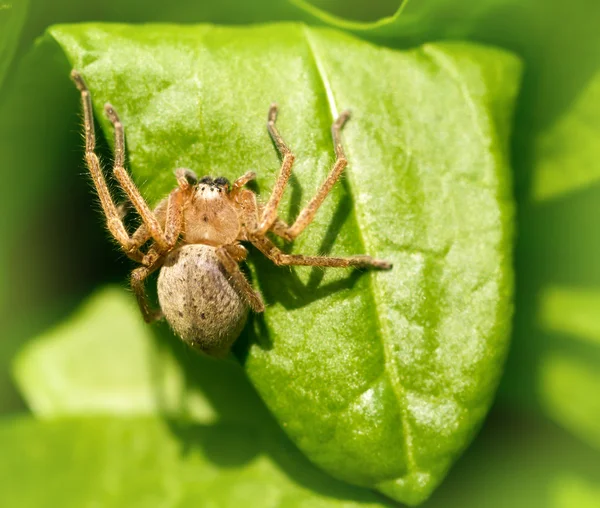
(380, 378)
(569, 388)
(150, 462)
(572, 311)
(355, 11)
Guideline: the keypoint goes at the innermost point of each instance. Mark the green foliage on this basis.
(47, 269)
(152, 462)
(105, 361)
(68, 373)
(405, 333)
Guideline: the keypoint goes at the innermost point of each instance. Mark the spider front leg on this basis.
(306, 216)
(114, 221)
(149, 219)
(270, 211)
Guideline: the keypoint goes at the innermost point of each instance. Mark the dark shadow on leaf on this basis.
(225, 445)
(291, 292)
(333, 230)
(295, 198)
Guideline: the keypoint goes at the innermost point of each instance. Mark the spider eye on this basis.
(191, 179)
(189, 175)
(222, 182)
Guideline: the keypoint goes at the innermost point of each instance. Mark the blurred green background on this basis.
(541, 443)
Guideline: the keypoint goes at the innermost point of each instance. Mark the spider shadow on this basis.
(292, 292)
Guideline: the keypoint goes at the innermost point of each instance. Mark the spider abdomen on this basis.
(198, 300)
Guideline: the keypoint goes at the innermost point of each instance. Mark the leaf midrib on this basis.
(382, 332)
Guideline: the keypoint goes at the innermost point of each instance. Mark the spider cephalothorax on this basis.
(193, 236)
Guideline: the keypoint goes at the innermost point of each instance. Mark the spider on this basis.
(194, 237)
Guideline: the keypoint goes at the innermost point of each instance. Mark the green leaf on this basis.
(567, 156)
(380, 378)
(557, 168)
(152, 462)
(103, 359)
(415, 20)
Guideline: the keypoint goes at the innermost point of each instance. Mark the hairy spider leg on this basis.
(130, 245)
(129, 186)
(154, 259)
(271, 251)
(270, 210)
(306, 216)
(238, 279)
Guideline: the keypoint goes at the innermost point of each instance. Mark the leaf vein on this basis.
(388, 367)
